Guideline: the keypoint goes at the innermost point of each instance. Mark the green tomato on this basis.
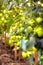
(14, 28)
(24, 54)
(28, 54)
(38, 19)
(33, 48)
(21, 29)
(39, 31)
(18, 44)
(18, 48)
(30, 28)
(41, 57)
(41, 4)
(31, 22)
(35, 30)
(1, 14)
(23, 18)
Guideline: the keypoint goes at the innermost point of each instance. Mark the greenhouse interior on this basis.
(21, 32)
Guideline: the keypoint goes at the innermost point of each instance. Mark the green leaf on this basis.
(10, 22)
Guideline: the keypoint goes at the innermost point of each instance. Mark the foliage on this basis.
(21, 20)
